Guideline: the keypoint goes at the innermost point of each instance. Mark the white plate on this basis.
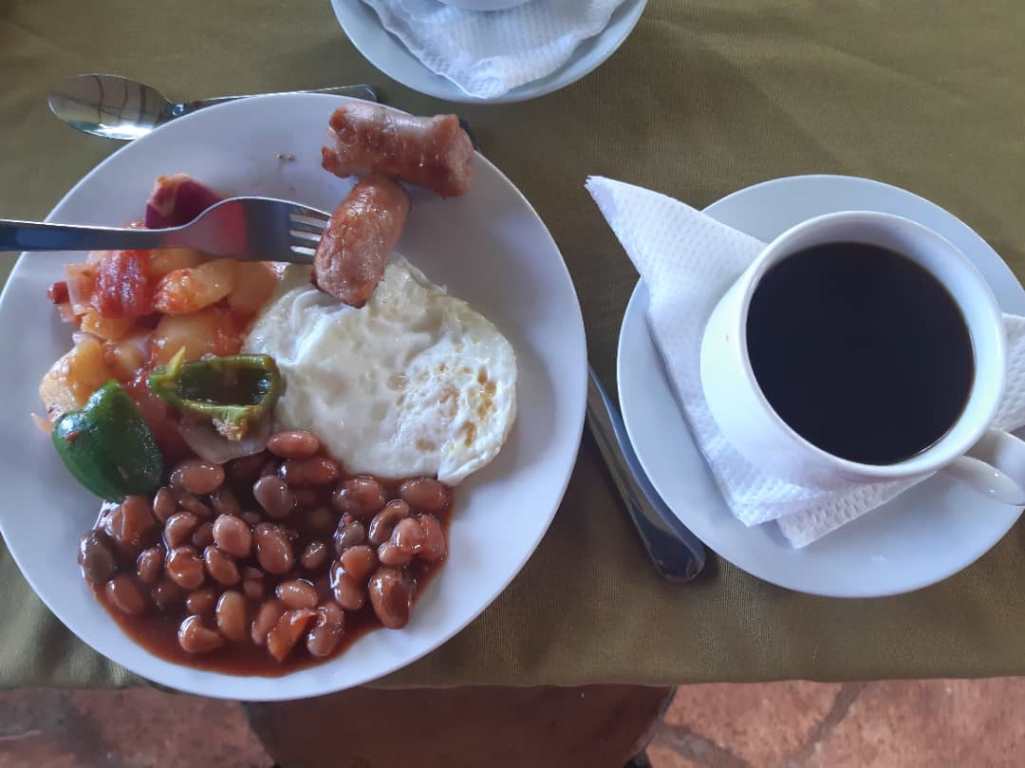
(388, 54)
(919, 538)
(489, 247)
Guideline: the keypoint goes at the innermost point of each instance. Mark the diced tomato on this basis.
(177, 200)
(160, 417)
(123, 286)
(58, 292)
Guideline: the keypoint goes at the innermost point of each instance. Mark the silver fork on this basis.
(253, 228)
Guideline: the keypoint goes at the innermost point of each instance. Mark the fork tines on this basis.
(305, 228)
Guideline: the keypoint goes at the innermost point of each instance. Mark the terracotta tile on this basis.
(759, 723)
(129, 729)
(929, 723)
(665, 757)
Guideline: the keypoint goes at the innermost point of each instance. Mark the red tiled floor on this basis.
(910, 724)
(762, 723)
(138, 728)
(789, 725)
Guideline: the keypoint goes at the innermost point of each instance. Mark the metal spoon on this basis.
(115, 107)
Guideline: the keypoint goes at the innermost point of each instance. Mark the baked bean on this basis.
(318, 470)
(359, 562)
(315, 556)
(319, 521)
(124, 594)
(246, 470)
(221, 567)
(224, 502)
(286, 633)
(251, 572)
(360, 496)
(408, 536)
(297, 594)
(190, 503)
(201, 601)
(385, 521)
(253, 589)
(305, 497)
(253, 518)
(130, 524)
(424, 494)
(331, 612)
(150, 565)
(203, 536)
(391, 595)
(347, 592)
(164, 504)
(389, 554)
(197, 477)
(231, 615)
(434, 547)
(232, 535)
(273, 549)
(327, 632)
(294, 444)
(166, 593)
(266, 617)
(349, 534)
(95, 557)
(193, 637)
(178, 528)
(273, 495)
(185, 567)
(291, 533)
(270, 467)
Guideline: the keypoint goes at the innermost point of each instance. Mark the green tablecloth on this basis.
(705, 97)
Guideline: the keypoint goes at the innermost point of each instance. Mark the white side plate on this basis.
(388, 54)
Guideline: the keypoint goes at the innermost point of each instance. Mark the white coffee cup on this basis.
(990, 460)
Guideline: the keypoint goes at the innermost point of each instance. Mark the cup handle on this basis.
(994, 466)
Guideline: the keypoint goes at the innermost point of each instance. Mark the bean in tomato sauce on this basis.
(267, 564)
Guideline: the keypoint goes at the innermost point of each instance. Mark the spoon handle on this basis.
(677, 553)
(365, 92)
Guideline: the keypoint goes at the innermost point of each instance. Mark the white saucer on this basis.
(389, 55)
(929, 533)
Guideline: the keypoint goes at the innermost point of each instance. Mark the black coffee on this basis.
(861, 351)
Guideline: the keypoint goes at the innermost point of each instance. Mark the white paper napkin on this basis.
(488, 53)
(687, 261)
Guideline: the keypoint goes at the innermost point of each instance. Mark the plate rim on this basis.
(634, 314)
(447, 90)
(205, 689)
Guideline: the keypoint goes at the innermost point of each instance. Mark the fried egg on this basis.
(415, 382)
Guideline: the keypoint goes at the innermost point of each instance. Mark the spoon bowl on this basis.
(110, 106)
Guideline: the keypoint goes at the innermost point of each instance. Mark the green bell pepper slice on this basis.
(108, 447)
(235, 392)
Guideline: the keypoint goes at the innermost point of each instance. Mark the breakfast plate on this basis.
(927, 534)
(388, 54)
(488, 247)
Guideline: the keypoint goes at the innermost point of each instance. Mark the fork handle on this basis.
(42, 236)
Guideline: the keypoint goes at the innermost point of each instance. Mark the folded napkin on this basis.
(488, 53)
(687, 261)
